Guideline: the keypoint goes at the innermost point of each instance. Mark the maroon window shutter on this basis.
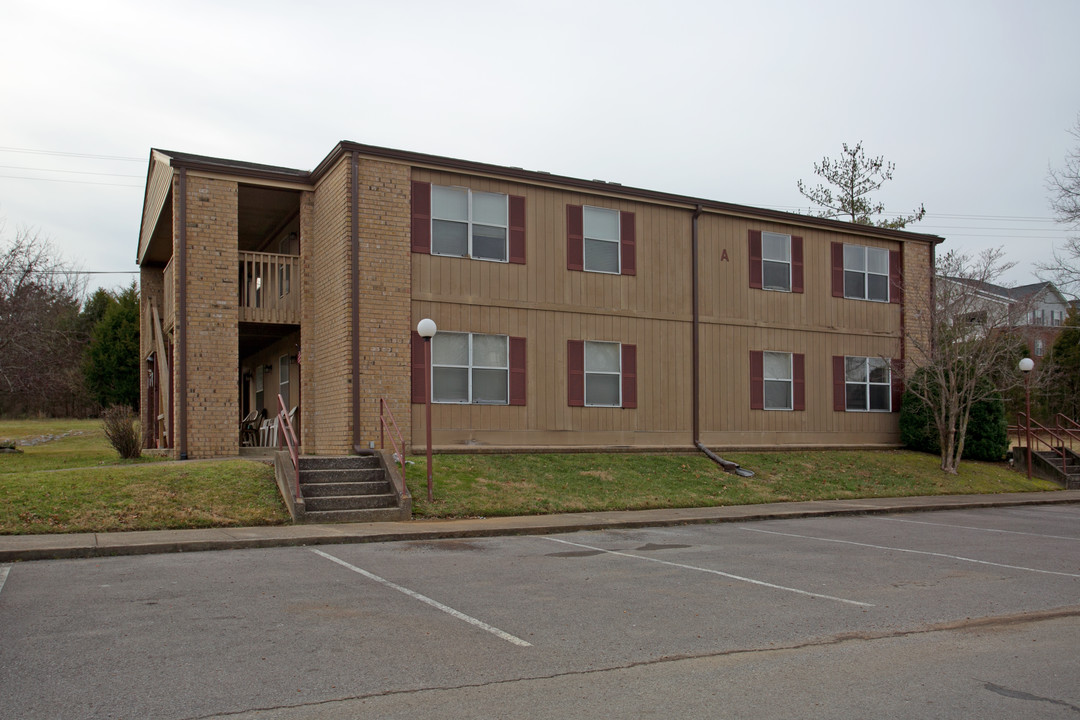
(796, 265)
(838, 269)
(517, 371)
(517, 230)
(839, 391)
(798, 385)
(628, 242)
(755, 258)
(896, 276)
(419, 369)
(629, 376)
(575, 237)
(421, 217)
(897, 378)
(757, 380)
(575, 364)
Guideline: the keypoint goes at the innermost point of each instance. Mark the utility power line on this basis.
(121, 158)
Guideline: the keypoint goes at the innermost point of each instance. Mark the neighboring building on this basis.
(1035, 312)
(571, 313)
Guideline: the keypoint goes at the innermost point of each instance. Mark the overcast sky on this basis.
(730, 101)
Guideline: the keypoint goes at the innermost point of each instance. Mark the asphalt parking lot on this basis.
(946, 614)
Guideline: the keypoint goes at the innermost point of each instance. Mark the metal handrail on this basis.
(1070, 427)
(1035, 424)
(392, 429)
(285, 429)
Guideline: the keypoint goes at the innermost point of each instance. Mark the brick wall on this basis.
(385, 293)
(325, 331)
(212, 392)
(918, 301)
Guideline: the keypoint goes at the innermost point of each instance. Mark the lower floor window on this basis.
(867, 384)
(603, 374)
(470, 368)
(778, 380)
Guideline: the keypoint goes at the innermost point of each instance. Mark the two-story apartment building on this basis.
(571, 313)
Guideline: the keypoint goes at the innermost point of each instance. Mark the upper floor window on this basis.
(860, 272)
(467, 223)
(461, 222)
(1039, 347)
(867, 384)
(776, 261)
(866, 273)
(601, 240)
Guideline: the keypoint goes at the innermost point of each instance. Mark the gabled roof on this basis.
(164, 162)
(1020, 292)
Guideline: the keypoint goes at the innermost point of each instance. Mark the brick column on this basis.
(212, 391)
(385, 269)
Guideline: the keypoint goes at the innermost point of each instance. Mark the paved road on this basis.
(970, 613)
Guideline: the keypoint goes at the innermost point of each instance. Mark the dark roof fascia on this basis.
(605, 188)
(237, 167)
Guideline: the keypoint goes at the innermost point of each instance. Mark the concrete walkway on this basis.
(85, 545)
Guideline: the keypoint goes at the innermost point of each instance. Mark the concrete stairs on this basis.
(352, 488)
(1067, 473)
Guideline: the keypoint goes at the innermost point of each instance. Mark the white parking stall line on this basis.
(913, 552)
(712, 572)
(989, 530)
(424, 599)
(4, 570)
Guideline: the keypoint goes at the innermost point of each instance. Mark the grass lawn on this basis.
(492, 485)
(78, 483)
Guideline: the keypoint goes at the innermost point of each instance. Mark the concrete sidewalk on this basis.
(85, 545)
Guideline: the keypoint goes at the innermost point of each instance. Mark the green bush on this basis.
(987, 434)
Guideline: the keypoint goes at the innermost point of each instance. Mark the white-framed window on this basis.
(603, 374)
(260, 397)
(867, 384)
(283, 379)
(775, 261)
(470, 368)
(1039, 347)
(601, 228)
(469, 223)
(778, 380)
(866, 273)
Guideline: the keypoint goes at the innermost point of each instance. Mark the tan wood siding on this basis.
(548, 304)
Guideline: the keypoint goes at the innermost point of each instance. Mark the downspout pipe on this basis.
(727, 465)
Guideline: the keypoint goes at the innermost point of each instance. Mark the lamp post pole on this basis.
(427, 329)
(1025, 367)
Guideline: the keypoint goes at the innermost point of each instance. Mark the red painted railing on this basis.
(1067, 426)
(285, 430)
(1037, 430)
(390, 427)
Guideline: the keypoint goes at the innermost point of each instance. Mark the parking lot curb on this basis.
(17, 548)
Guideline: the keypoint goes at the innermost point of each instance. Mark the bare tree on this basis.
(969, 354)
(40, 338)
(851, 178)
(1064, 186)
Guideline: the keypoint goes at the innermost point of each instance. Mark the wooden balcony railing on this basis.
(269, 288)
